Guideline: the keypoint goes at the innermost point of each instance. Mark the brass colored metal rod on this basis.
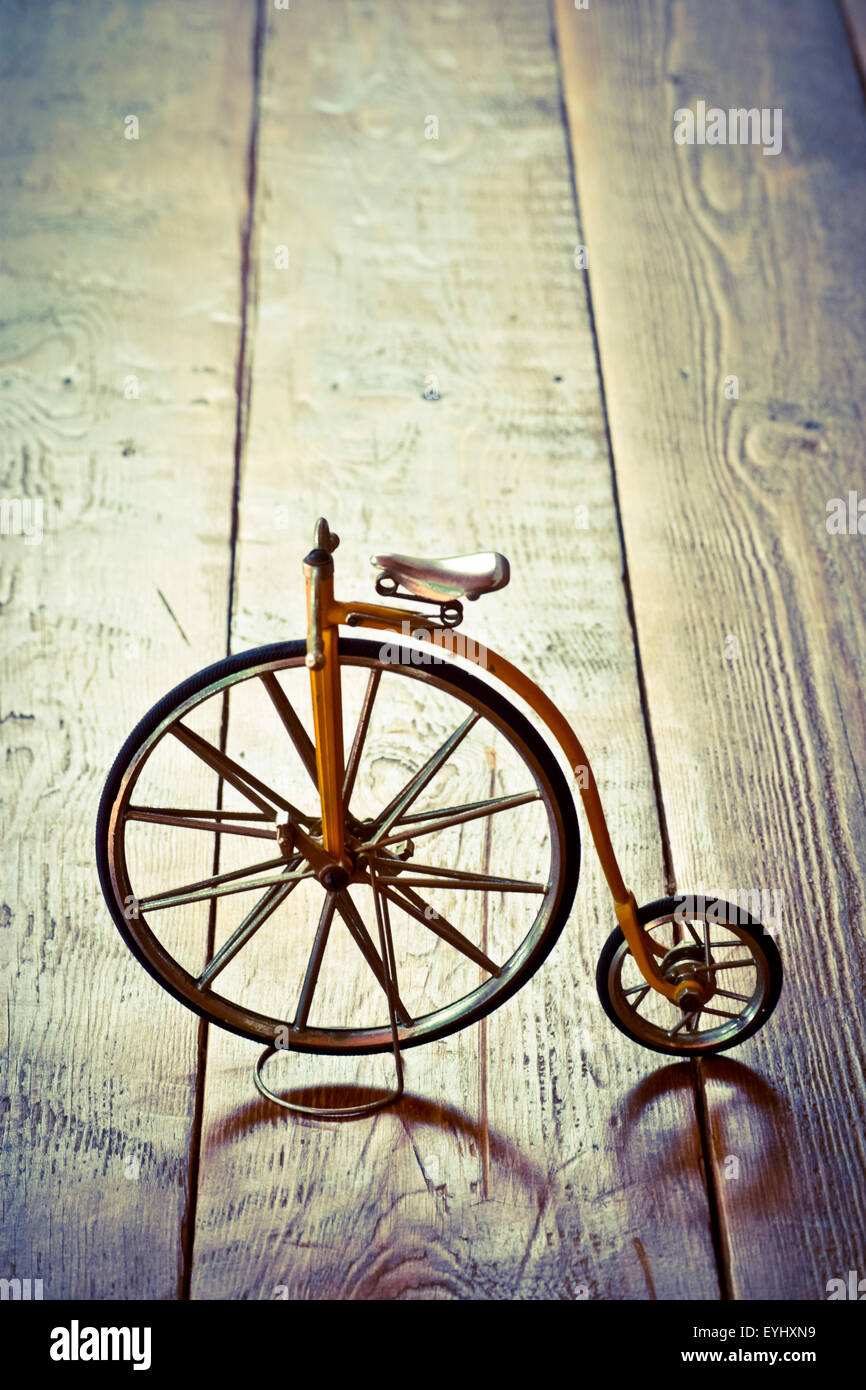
(157, 901)
(416, 784)
(455, 815)
(416, 907)
(314, 964)
(355, 923)
(187, 823)
(256, 791)
(255, 918)
(360, 735)
(292, 724)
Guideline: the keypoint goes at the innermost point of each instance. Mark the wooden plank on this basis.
(714, 267)
(120, 286)
(424, 375)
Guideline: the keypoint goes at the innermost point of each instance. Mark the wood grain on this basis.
(423, 374)
(120, 285)
(707, 263)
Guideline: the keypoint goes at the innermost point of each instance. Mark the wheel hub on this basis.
(693, 988)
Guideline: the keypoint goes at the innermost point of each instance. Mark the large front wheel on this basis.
(457, 814)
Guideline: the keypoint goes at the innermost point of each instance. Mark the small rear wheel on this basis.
(735, 962)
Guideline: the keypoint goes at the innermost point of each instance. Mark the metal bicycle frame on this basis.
(325, 614)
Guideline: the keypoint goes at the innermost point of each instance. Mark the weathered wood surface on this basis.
(543, 1155)
(121, 260)
(391, 330)
(709, 262)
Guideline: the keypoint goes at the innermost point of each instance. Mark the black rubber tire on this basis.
(252, 1025)
(662, 908)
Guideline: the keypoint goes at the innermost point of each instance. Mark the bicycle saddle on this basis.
(459, 576)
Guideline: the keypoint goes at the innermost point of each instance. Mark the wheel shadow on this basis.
(741, 1134)
(414, 1113)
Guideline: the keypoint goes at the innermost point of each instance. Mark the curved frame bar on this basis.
(375, 615)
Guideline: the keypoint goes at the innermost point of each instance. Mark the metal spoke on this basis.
(725, 965)
(219, 814)
(416, 907)
(355, 923)
(390, 968)
(255, 918)
(720, 1013)
(215, 879)
(360, 736)
(457, 878)
(642, 990)
(456, 815)
(412, 816)
(492, 885)
(730, 994)
(186, 821)
(249, 786)
(690, 927)
(416, 784)
(221, 886)
(671, 1032)
(314, 964)
(292, 724)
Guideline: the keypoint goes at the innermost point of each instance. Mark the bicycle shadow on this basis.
(414, 1113)
(751, 1137)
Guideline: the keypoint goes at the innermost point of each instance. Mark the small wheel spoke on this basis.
(456, 815)
(219, 886)
(690, 928)
(672, 1032)
(256, 791)
(642, 990)
(729, 994)
(360, 736)
(416, 784)
(255, 918)
(725, 965)
(204, 820)
(292, 724)
(719, 1013)
(416, 907)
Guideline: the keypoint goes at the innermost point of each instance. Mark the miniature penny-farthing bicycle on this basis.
(383, 893)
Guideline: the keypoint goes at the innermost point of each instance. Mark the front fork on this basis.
(324, 614)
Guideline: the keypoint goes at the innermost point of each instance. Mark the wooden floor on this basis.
(227, 326)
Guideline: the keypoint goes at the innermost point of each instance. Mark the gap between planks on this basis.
(248, 287)
(716, 1215)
